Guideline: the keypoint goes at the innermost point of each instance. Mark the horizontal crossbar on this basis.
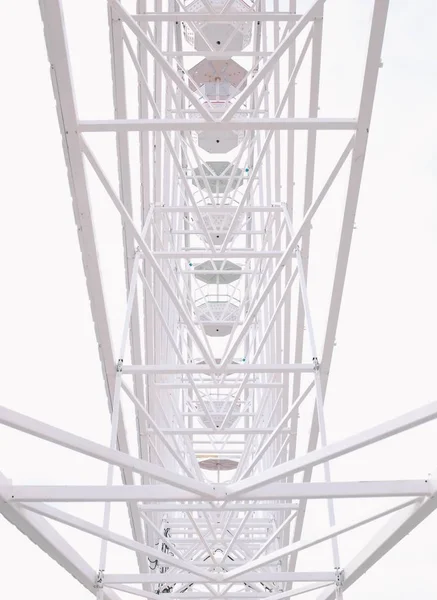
(251, 124)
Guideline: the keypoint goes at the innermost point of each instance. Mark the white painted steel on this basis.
(217, 368)
(265, 124)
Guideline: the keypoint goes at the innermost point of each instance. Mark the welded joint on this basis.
(316, 364)
(98, 582)
(119, 367)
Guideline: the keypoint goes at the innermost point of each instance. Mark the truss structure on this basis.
(228, 332)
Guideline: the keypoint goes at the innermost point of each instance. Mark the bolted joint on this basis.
(98, 583)
(316, 364)
(432, 484)
(120, 365)
(339, 578)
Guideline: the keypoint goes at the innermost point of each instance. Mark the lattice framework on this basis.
(220, 356)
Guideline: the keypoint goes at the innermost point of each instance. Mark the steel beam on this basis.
(167, 493)
(255, 576)
(397, 528)
(243, 17)
(183, 518)
(57, 51)
(39, 531)
(370, 436)
(303, 545)
(249, 124)
(373, 64)
(78, 444)
(231, 368)
(110, 536)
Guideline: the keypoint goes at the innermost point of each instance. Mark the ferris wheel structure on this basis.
(235, 195)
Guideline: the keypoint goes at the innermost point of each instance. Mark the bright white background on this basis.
(385, 357)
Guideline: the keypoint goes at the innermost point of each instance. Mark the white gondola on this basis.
(231, 35)
(218, 224)
(218, 79)
(218, 174)
(217, 298)
(218, 314)
(227, 272)
(217, 82)
(219, 142)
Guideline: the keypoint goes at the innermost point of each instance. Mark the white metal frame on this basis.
(239, 536)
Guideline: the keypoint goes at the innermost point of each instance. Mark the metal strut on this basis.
(218, 239)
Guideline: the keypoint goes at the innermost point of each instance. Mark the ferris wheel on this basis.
(234, 193)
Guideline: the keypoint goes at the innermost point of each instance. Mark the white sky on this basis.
(385, 357)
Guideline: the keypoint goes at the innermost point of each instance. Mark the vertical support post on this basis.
(115, 417)
(319, 398)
